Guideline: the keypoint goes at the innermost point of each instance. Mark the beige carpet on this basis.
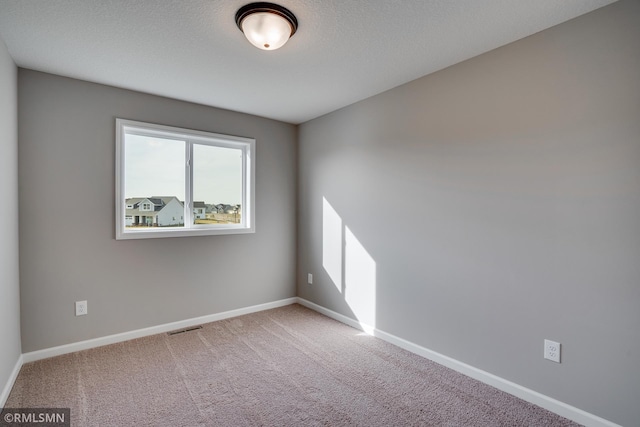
(284, 367)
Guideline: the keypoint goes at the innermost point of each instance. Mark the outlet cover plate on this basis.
(81, 308)
(552, 351)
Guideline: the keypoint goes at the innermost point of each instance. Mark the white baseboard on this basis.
(12, 379)
(139, 333)
(575, 414)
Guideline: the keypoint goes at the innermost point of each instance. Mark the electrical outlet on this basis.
(310, 279)
(552, 351)
(81, 308)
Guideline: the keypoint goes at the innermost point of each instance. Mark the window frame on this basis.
(191, 137)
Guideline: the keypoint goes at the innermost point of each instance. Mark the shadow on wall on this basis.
(349, 266)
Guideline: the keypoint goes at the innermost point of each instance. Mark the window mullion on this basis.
(245, 208)
(188, 202)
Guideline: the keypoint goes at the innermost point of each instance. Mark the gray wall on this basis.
(67, 246)
(9, 283)
(497, 203)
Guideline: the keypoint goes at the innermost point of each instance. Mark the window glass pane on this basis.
(217, 185)
(154, 182)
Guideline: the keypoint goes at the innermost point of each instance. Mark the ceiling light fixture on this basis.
(267, 26)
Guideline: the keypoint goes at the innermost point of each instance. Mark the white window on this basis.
(172, 167)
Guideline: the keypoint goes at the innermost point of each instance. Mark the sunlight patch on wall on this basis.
(332, 243)
(360, 281)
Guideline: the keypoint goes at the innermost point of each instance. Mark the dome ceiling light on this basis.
(267, 26)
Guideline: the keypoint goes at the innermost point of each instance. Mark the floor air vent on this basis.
(182, 331)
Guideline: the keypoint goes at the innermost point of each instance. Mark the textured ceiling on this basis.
(344, 50)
